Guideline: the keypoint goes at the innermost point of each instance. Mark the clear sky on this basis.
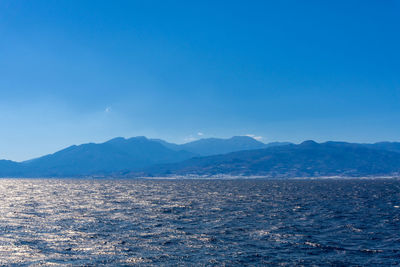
(78, 71)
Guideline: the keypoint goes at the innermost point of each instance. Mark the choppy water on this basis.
(199, 222)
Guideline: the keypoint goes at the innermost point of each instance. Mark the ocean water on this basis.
(199, 222)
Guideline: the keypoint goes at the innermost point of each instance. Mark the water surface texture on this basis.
(199, 222)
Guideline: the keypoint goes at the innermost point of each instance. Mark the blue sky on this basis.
(78, 71)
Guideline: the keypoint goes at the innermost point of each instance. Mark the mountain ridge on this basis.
(214, 146)
(117, 154)
(308, 159)
(140, 156)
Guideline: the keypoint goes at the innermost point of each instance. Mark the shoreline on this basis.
(215, 178)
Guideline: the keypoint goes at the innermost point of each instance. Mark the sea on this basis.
(199, 222)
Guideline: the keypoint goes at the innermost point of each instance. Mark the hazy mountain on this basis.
(272, 144)
(115, 155)
(389, 146)
(141, 156)
(309, 159)
(215, 146)
(168, 145)
(121, 155)
(10, 168)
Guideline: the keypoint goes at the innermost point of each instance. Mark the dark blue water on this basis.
(200, 222)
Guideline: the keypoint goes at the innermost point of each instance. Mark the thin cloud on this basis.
(190, 139)
(258, 138)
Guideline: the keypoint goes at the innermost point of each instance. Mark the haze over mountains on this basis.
(214, 146)
(308, 159)
(236, 156)
(120, 154)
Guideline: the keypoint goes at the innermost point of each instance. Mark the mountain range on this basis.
(214, 146)
(308, 159)
(212, 157)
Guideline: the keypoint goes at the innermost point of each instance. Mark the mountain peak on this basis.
(138, 138)
(121, 140)
(241, 137)
(245, 138)
(116, 140)
(213, 146)
(309, 143)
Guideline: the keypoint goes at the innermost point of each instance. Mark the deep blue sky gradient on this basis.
(78, 71)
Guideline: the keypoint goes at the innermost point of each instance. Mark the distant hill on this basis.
(120, 155)
(10, 168)
(308, 159)
(215, 146)
(88, 159)
(237, 156)
(389, 146)
(168, 145)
